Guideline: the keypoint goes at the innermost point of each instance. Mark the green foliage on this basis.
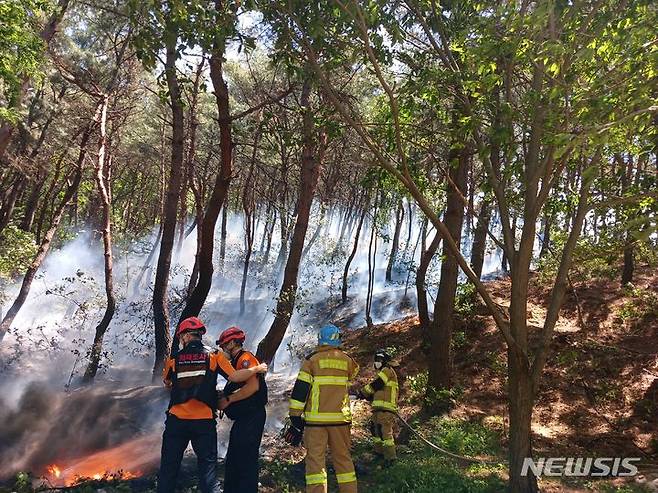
(591, 259)
(17, 249)
(463, 437)
(432, 473)
(642, 305)
(21, 49)
(419, 469)
(459, 340)
(465, 299)
(439, 400)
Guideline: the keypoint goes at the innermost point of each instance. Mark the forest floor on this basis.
(598, 398)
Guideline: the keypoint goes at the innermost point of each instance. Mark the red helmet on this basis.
(231, 334)
(191, 323)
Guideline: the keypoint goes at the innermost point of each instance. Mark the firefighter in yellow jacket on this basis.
(383, 392)
(320, 410)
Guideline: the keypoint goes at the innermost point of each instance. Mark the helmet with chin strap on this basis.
(231, 334)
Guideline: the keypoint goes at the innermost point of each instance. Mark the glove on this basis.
(364, 396)
(294, 431)
(372, 427)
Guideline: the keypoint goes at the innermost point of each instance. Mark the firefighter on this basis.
(383, 393)
(192, 377)
(245, 404)
(320, 411)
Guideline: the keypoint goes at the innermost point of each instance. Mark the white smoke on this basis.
(51, 335)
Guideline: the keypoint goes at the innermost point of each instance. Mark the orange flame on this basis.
(125, 461)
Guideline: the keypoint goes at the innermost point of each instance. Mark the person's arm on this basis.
(377, 384)
(250, 387)
(301, 390)
(167, 371)
(227, 371)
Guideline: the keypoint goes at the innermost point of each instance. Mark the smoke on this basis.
(43, 419)
(47, 426)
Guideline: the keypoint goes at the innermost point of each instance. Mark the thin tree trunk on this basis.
(250, 229)
(160, 308)
(223, 234)
(480, 237)
(410, 216)
(8, 208)
(399, 216)
(32, 202)
(355, 247)
(44, 247)
(312, 153)
(372, 264)
(270, 233)
(146, 267)
(104, 183)
(316, 234)
(546, 234)
(421, 287)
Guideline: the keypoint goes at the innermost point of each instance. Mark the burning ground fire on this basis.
(126, 461)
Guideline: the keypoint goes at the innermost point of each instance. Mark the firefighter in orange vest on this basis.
(320, 411)
(192, 377)
(383, 393)
(245, 404)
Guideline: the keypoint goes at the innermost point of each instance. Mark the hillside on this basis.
(599, 393)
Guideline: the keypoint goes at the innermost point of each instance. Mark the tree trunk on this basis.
(222, 236)
(353, 253)
(160, 308)
(629, 261)
(399, 216)
(270, 234)
(44, 247)
(521, 402)
(248, 208)
(104, 183)
(219, 194)
(372, 263)
(8, 207)
(147, 263)
(410, 221)
(311, 166)
(32, 202)
(480, 238)
(315, 235)
(546, 234)
(440, 367)
(421, 288)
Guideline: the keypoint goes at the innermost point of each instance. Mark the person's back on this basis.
(192, 377)
(320, 409)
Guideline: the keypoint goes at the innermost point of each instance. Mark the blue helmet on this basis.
(330, 335)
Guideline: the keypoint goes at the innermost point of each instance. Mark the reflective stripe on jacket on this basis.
(320, 392)
(384, 390)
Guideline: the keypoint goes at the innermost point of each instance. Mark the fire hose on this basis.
(439, 449)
